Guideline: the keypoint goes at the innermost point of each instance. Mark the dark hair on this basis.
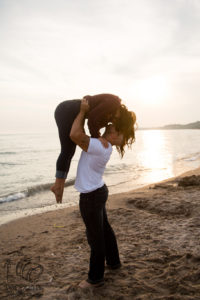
(125, 124)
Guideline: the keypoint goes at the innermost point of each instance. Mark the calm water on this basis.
(28, 166)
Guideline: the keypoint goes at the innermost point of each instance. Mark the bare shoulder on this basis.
(83, 142)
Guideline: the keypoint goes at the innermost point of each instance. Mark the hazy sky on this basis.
(145, 51)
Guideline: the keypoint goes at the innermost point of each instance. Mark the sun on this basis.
(152, 90)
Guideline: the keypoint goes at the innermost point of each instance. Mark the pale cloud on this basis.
(56, 50)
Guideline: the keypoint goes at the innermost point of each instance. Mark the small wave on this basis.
(9, 164)
(119, 168)
(31, 191)
(13, 197)
(45, 187)
(118, 183)
(192, 157)
(7, 153)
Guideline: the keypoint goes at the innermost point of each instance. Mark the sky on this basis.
(147, 52)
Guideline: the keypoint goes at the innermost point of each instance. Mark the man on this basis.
(93, 196)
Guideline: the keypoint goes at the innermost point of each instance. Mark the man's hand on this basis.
(84, 106)
(104, 142)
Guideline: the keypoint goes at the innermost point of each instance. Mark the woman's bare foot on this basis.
(58, 189)
(85, 284)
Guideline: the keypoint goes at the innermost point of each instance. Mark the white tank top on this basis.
(91, 166)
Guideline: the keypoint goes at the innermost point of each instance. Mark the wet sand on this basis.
(158, 231)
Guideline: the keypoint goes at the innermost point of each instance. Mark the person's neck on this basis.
(107, 139)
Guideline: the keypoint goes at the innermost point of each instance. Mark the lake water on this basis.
(27, 165)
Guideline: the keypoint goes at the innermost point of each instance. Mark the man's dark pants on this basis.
(100, 234)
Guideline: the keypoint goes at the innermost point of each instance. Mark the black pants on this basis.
(65, 115)
(100, 234)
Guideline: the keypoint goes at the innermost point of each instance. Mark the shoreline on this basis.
(158, 233)
(54, 207)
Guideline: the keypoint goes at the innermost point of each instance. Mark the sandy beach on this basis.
(158, 231)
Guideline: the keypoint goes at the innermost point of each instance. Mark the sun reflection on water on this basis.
(153, 158)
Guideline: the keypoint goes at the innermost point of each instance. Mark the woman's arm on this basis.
(77, 133)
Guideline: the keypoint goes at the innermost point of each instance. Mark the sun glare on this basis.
(152, 157)
(152, 90)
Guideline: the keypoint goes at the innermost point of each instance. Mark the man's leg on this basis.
(63, 164)
(65, 114)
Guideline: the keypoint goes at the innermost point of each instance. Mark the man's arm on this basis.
(77, 133)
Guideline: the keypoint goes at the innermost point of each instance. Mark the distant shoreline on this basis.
(162, 128)
(195, 125)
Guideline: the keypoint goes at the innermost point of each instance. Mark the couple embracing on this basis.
(103, 110)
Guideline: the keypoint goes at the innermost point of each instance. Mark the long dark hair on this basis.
(125, 124)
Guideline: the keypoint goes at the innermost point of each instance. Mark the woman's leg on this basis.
(111, 248)
(91, 207)
(65, 114)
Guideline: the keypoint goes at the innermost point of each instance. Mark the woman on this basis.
(104, 108)
(93, 195)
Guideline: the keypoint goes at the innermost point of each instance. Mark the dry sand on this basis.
(158, 231)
